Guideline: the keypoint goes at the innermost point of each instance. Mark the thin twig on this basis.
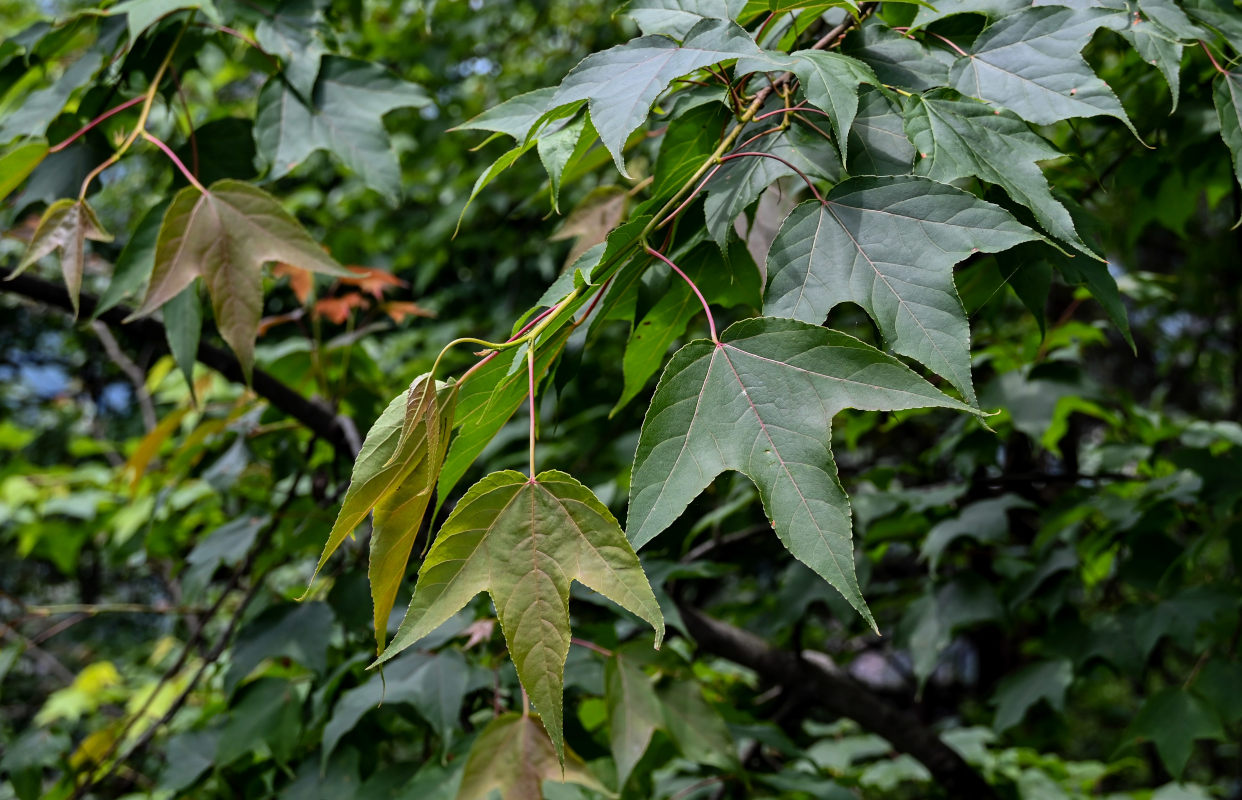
(711, 321)
(801, 174)
(132, 371)
(88, 126)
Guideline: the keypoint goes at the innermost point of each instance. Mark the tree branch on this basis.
(841, 695)
(337, 430)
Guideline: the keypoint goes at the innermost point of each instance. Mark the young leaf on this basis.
(18, 163)
(345, 118)
(761, 402)
(513, 757)
(225, 235)
(1029, 62)
(394, 476)
(524, 540)
(634, 713)
(621, 83)
(829, 80)
(889, 244)
(960, 138)
(65, 226)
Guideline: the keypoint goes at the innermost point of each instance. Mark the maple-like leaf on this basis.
(524, 541)
(761, 401)
(889, 245)
(224, 235)
(398, 310)
(301, 281)
(65, 226)
(337, 309)
(373, 280)
(678, 17)
(393, 478)
(960, 138)
(621, 83)
(512, 758)
(345, 118)
(1227, 96)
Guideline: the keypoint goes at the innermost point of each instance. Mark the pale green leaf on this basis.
(291, 33)
(621, 83)
(889, 245)
(992, 9)
(142, 14)
(960, 138)
(762, 402)
(1030, 63)
(516, 116)
(524, 541)
(65, 226)
(634, 713)
(678, 17)
(345, 118)
(512, 758)
(224, 236)
(19, 162)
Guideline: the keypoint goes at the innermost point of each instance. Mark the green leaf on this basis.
(1227, 96)
(761, 402)
(898, 60)
(524, 541)
(345, 118)
(1095, 275)
(959, 139)
(513, 757)
(224, 236)
(142, 14)
(992, 9)
(985, 521)
(291, 33)
(559, 148)
(516, 116)
(830, 81)
(621, 83)
(484, 405)
(678, 17)
(183, 325)
(695, 727)
(685, 147)
(878, 137)
(889, 245)
(1029, 63)
(267, 718)
(729, 282)
(394, 476)
(135, 263)
(1018, 692)
(19, 162)
(634, 713)
(926, 628)
(1174, 720)
(65, 226)
(40, 107)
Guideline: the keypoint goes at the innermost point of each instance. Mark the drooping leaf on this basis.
(515, 116)
(65, 226)
(761, 402)
(183, 326)
(889, 244)
(18, 163)
(224, 236)
(621, 83)
(1017, 693)
(678, 17)
(1030, 63)
(394, 476)
(524, 541)
(512, 758)
(345, 118)
(959, 138)
(878, 137)
(135, 263)
(1095, 275)
(1227, 96)
(830, 82)
(685, 147)
(927, 626)
(557, 149)
(634, 713)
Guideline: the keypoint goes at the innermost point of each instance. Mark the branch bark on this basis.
(337, 430)
(839, 694)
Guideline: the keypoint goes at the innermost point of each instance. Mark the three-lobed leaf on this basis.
(524, 540)
(761, 401)
(889, 245)
(512, 758)
(224, 235)
(65, 226)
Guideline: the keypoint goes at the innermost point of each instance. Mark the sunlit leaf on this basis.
(18, 163)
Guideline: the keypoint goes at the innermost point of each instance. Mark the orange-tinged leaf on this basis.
(138, 461)
(65, 226)
(337, 309)
(267, 323)
(373, 280)
(225, 235)
(300, 280)
(398, 310)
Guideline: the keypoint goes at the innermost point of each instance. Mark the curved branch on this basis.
(337, 430)
(841, 695)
